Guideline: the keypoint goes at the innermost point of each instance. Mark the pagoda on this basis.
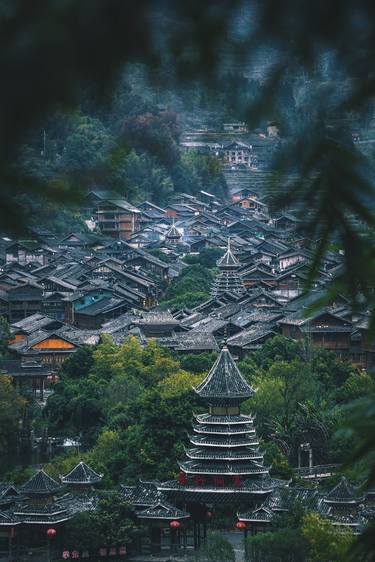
(223, 462)
(228, 280)
(173, 236)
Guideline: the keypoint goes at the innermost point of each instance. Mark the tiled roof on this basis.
(40, 483)
(82, 474)
(224, 381)
(163, 510)
(343, 492)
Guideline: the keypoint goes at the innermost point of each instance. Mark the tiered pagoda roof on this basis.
(228, 280)
(173, 235)
(225, 384)
(223, 461)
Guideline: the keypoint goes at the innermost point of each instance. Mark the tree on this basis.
(283, 545)
(86, 150)
(11, 408)
(78, 364)
(179, 294)
(326, 543)
(5, 336)
(207, 257)
(111, 524)
(217, 549)
(197, 363)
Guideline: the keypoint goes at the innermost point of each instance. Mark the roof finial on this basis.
(225, 336)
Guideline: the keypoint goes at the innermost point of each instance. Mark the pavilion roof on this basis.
(163, 510)
(43, 514)
(40, 483)
(342, 493)
(81, 474)
(260, 515)
(143, 494)
(224, 381)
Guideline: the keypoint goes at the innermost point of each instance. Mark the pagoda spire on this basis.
(173, 235)
(224, 383)
(228, 280)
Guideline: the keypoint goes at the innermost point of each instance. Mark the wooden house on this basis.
(118, 218)
(322, 329)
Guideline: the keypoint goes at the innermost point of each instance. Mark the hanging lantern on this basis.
(208, 514)
(175, 524)
(12, 532)
(241, 525)
(182, 478)
(51, 533)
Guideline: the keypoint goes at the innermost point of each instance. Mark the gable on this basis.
(326, 319)
(54, 342)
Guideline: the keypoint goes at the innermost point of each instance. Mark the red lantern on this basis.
(175, 524)
(209, 514)
(51, 533)
(182, 478)
(241, 525)
(12, 532)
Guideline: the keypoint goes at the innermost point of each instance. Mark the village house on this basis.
(118, 218)
(236, 152)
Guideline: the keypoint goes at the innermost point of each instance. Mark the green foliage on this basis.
(217, 549)
(5, 337)
(86, 148)
(301, 396)
(11, 408)
(277, 460)
(132, 405)
(285, 542)
(298, 536)
(278, 348)
(111, 524)
(197, 363)
(326, 543)
(207, 257)
(191, 288)
(78, 364)
(283, 545)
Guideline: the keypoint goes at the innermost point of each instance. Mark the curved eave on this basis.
(244, 457)
(163, 518)
(253, 520)
(343, 502)
(81, 482)
(224, 397)
(227, 445)
(224, 471)
(44, 521)
(197, 429)
(221, 490)
(226, 420)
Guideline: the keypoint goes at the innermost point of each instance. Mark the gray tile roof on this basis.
(224, 381)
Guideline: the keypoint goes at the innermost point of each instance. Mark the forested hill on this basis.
(128, 144)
